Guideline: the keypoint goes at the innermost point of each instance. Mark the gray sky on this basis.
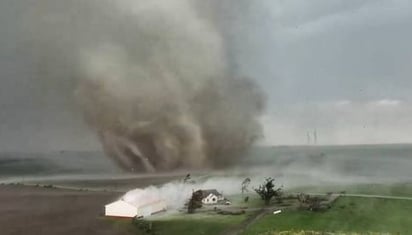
(329, 50)
(341, 66)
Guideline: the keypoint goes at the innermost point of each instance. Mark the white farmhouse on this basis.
(136, 203)
(211, 196)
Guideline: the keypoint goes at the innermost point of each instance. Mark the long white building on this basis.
(136, 203)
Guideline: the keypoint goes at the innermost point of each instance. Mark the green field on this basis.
(399, 189)
(197, 224)
(347, 215)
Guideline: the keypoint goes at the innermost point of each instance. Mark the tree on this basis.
(188, 180)
(303, 199)
(267, 191)
(245, 185)
(195, 201)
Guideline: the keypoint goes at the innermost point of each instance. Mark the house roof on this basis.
(139, 197)
(120, 202)
(207, 192)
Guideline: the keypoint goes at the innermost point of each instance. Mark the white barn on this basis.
(136, 203)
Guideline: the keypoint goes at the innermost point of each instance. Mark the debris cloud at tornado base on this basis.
(177, 193)
(153, 81)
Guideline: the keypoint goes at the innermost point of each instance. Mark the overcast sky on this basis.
(342, 67)
(331, 50)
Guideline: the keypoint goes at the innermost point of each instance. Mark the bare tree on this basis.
(245, 185)
(188, 180)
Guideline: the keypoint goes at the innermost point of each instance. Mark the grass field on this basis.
(253, 201)
(399, 189)
(347, 215)
(197, 224)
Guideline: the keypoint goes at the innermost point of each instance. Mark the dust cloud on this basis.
(177, 193)
(152, 79)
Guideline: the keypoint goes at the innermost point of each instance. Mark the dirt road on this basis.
(41, 211)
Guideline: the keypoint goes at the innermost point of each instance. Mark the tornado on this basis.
(153, 81)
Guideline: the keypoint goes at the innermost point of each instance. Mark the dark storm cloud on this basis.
(36, 114)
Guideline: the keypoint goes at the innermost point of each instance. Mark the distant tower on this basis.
(308, 138)
(315, 137)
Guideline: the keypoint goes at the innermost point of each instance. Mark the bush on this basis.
(143, 226)
(195, 201)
